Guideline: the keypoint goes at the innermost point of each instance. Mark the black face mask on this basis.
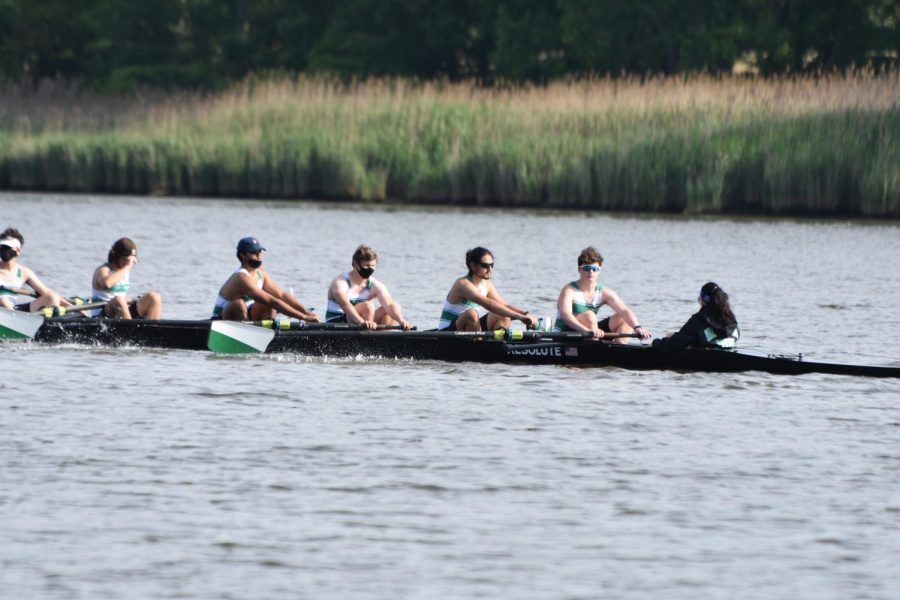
(365, 272)
(7, 253)
(254, 263)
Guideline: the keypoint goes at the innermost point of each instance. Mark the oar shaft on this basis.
(89, 306)
(294, 325)
(19, 291)
(515, 335)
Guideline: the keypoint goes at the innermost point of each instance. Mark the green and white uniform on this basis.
(580, 304)
(15, 281)
(450, 313)
(248, 301)
(120, 289)
(334, 309)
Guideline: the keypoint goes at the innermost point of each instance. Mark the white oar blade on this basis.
(231, 337)
(18, 325)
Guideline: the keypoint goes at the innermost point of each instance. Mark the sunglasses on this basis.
(587, 268)
(486, 265)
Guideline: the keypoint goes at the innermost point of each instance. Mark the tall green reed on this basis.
(826, 146)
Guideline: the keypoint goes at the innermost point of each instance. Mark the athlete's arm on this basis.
(105, 278)
(495, 303)
(339, 292)
(564, 306)
(390, 307)
(296, 308)
(620, 308)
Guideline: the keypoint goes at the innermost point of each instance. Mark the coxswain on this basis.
(14, 277)
(111, 282)
(579, 303)
(474, 304)
(713, 325)
(250, 294)
(352, 296)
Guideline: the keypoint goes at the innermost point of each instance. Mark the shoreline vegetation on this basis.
(807, 146)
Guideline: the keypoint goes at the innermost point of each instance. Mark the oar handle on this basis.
(61, 311)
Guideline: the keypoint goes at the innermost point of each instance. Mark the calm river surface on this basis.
(166, 474)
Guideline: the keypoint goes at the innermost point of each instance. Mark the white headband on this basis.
(11, 242)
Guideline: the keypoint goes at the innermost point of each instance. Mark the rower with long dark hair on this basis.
(112, 280)
(474, 304)
(713, 325)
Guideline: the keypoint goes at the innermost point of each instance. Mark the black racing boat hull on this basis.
(193, 335)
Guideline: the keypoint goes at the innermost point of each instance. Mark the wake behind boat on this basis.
(533, 347)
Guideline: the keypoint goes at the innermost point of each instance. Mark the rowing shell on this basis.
(424, 345)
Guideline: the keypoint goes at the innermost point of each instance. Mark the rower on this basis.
(352, 296)
(474, 304)
(13, 278)
(111, 281)
(713, 325)
(250, 294)
(579, 303)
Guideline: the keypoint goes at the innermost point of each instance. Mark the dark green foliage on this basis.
(121, 44)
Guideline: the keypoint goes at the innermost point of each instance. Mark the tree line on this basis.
(117, 45)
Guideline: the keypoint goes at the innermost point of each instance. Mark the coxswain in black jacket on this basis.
(702, 329)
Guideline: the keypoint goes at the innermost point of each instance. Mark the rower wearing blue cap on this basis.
(250, 294)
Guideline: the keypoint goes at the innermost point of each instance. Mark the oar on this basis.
(19, 291)
(75, 300)
(500, 334)
(53, 311)
(295, 325)
(234, 337)
(19, 325)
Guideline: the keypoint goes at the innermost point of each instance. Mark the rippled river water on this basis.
(168, 474)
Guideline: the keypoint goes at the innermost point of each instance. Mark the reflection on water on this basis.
(135, 473)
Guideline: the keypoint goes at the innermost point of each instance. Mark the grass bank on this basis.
(826, 146)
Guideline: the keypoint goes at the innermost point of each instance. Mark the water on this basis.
(166, 474)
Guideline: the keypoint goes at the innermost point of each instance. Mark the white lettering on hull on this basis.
(554, 351)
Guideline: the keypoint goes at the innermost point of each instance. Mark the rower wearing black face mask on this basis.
(352, 296)
(250, 294)
(14, 278)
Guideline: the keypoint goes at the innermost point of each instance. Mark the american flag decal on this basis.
(570, 351)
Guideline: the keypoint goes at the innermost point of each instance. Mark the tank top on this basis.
(12, 281)
(364, 295)
(120, 289)
(580, 304)
(451, 311)
(221, 301)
